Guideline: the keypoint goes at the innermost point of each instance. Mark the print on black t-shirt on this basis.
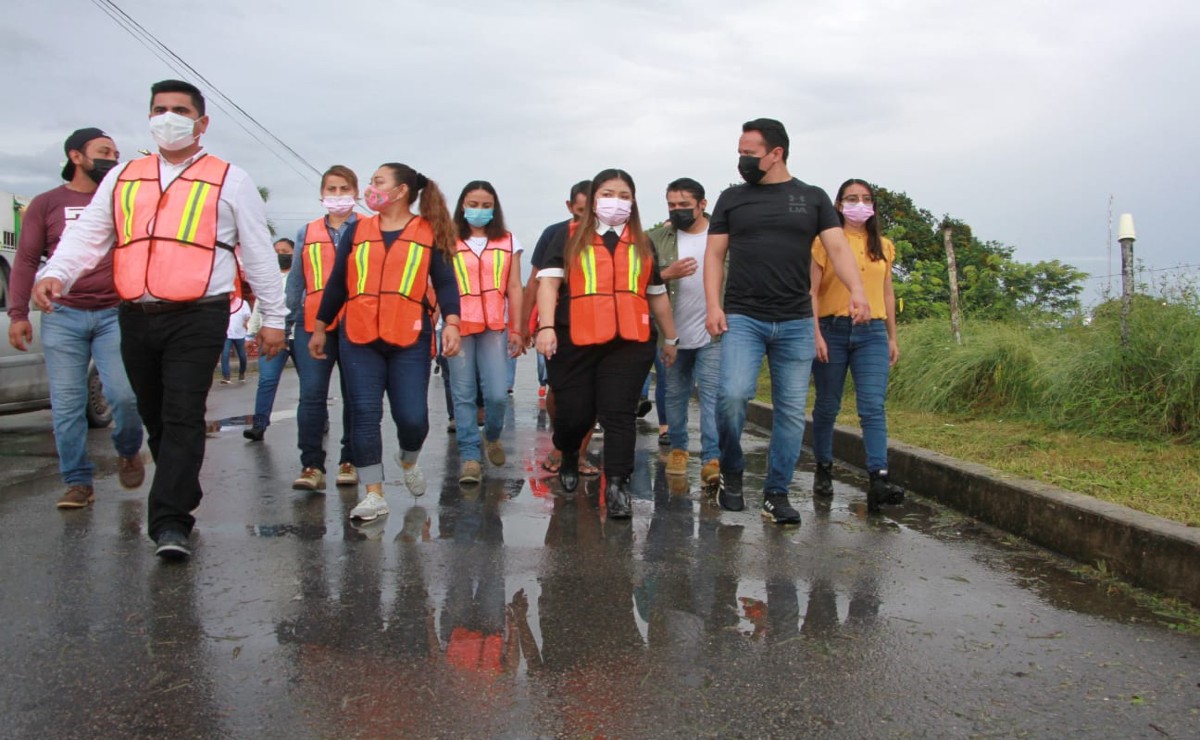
(771, 230)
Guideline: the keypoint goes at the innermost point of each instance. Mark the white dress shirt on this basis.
(241, 220)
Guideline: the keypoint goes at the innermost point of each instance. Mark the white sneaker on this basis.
(414, 479)
(371, 507)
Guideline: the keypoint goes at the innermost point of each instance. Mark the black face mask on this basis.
(749, 170)
(682, 218)
(285, 261)
(100, 168)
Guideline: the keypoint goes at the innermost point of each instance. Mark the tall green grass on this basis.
(1076, 376)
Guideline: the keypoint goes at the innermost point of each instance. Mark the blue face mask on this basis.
(478, 217)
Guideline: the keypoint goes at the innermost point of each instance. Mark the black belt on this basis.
(156, 307)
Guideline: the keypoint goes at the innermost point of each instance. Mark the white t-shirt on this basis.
(237, 322)
(477, 243)
(690, 308)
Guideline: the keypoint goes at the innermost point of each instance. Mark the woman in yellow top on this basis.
(867, 350)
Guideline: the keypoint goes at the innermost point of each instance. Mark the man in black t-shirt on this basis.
(766, 228)
(576, 206)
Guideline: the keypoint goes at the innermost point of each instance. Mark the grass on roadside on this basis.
(1159, 478)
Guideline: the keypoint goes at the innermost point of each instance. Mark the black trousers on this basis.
(169, 358)
(599, 381)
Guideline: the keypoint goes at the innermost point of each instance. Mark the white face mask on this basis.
(338, 205)
(172, 131)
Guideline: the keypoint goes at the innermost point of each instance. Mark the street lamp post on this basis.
(1127, 236)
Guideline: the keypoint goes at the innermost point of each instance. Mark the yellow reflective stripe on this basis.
(498, 257)
(461, 273)
(189, 211)
(362, 261)
(587, 259)
(635, 268)
(128, 198)
(410, 269)
(318, 268)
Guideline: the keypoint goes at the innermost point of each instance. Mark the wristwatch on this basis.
(671, 342)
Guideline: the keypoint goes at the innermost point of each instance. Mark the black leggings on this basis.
(600, 381)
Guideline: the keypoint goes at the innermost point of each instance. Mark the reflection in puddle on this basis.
(230, 424)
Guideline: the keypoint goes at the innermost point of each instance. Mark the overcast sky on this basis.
(1019, 117)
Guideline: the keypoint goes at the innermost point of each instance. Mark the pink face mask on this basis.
(857, 213)
(375, 198)
(613, 211)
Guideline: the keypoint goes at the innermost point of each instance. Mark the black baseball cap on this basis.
(75, 143)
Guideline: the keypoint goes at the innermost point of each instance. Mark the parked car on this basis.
(24, 385)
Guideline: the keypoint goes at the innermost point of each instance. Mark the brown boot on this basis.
(77, 497)
(131, 471)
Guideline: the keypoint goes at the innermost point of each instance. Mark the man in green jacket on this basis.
(680, 243)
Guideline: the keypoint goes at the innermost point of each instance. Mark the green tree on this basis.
(992, 284)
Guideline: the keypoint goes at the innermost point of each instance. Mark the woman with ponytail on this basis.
(867, 350)
(487, 265)
(598, 286)
(390, 274)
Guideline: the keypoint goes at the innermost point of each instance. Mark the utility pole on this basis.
(952, 266)
(1127, 236)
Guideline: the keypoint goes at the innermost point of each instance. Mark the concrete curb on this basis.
(1144, 549)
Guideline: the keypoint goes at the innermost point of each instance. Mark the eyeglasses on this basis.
(858, 199)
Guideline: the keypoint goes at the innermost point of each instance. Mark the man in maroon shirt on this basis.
(82, 328)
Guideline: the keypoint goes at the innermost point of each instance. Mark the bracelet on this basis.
(543, 328)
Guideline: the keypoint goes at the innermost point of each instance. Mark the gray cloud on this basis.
(1019, 117)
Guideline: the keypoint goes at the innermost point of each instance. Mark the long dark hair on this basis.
(587, 225)
(432, 205)
(495, 228)
(874, 240)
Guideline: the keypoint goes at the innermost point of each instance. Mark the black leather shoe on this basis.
(883, 492)
(173, 545)
(568, 472)
(729, 492)
(823, 480)
(255, 434)
(619, 498)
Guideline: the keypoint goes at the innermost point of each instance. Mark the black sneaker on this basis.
(255, 434)
(173, 545)
(778, 509)
(729, 492)
(664, 439)
(883, 492)
(823, 480)
(643, 407)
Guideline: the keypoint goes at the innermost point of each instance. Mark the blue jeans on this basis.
(483, 356)
(512, 365)
(863, 350)
(695, 367)
(240, 346)
(403, 374)
(660, 389)
(541, 368)
(313, 412)
(790, 348)
(70, 338)
(269, 371)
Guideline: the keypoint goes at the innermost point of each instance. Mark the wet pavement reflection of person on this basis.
(592, 649)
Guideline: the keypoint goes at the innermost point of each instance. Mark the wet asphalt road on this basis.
(510, 610)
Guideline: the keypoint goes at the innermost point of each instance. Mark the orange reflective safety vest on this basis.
(483, 284)
(167, 239)
(316, 260)
(387, 287)
(608, 293)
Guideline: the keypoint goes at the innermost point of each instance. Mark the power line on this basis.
(1145, 269)
(175, 62)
